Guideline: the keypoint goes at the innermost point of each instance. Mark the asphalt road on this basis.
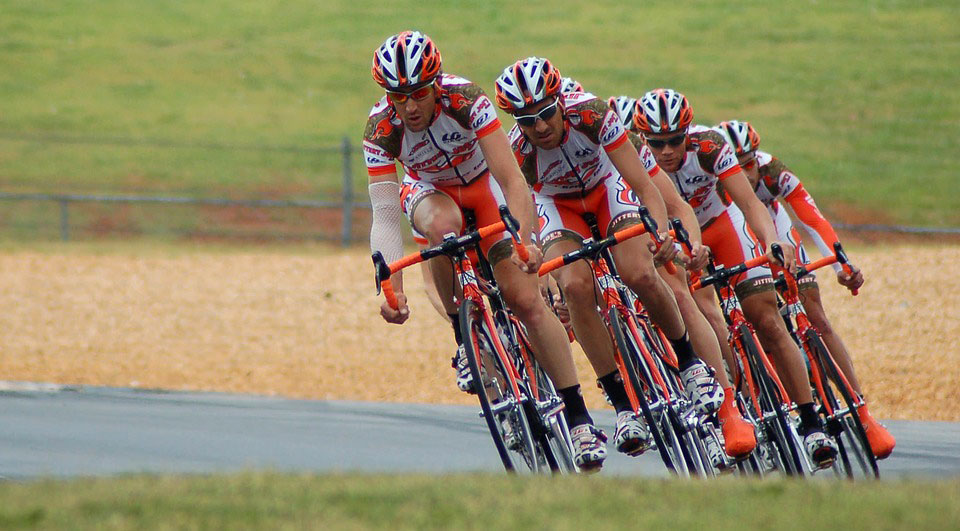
(83, 431)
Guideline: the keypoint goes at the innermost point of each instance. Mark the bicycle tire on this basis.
(479, 345)
(662, 432)
(780, 431)
(848, 432)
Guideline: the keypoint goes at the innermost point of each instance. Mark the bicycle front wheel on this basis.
(784, 447)
(844, 422)
(495, 383)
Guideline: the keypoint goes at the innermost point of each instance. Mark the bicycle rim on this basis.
(502, 410)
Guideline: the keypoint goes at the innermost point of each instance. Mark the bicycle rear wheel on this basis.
(844, 425)
(495, 386)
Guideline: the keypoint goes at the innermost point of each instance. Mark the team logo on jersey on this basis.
(448, 138)
(383, 129)
(457, 101)
(418, 147)
(726, 163)
(700, 196)
(696, 179)
(626, 195)
(587, 117)
(610, 135)
(706, 146)
(581, 153)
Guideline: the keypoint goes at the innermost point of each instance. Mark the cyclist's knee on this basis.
(526, 304)
(578, 288)
(438, 223)
(763, 313)
(641, 279)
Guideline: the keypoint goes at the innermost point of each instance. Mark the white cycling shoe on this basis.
(464, 375)
(632, 436)
(702, 387)
(821, 448)
(589, 448)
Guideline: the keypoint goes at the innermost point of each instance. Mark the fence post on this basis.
(347, 193)
(64, 220)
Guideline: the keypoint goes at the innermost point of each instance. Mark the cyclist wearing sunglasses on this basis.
(773, 182)
(738, 435)
(573, 151)
(704, 169)
(445, 133)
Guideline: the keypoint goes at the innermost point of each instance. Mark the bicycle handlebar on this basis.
(591, 248)
(449, 246)
(839, 256)
(724, 274)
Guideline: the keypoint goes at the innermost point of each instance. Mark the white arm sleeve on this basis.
(385, 233)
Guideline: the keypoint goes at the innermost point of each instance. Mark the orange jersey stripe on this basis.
(489, 128)
(616, 143)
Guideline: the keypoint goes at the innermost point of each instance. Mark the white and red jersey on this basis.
(778, 182)
(445, 153)
(709, 160)
(580, 162)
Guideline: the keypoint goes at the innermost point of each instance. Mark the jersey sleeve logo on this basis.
(612, 129)
(586, 117)
(383, 129)
(457, 101)
(706, 146)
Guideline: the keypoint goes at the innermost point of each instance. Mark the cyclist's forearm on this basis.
(385, 232)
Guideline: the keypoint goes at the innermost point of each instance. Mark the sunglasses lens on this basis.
(659, 143)
(396, 97)
(547, 112)
(527, 121)
(421, 93)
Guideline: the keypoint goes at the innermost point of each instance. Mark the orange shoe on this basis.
(739, 436)
(881, 441)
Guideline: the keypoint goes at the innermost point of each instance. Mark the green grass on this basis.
(274, 501)
(858, 97)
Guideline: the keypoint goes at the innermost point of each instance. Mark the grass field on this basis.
(859, 98)
(275, 501)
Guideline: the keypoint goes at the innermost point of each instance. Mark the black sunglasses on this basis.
(674, 141)
(530, 120)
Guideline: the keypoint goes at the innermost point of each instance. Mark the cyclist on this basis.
(573, 152)
(445, 133)
(704, 169)
(738, 434)
(773, 182)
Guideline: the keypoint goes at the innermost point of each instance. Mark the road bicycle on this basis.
(838, 402)
(521, 408)
(645, 361)
(762, 399)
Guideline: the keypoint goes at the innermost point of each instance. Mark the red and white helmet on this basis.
(526, 82)
(623, 106)
(568, 84)
(406, 59)
(662, 111)
(741, 135)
